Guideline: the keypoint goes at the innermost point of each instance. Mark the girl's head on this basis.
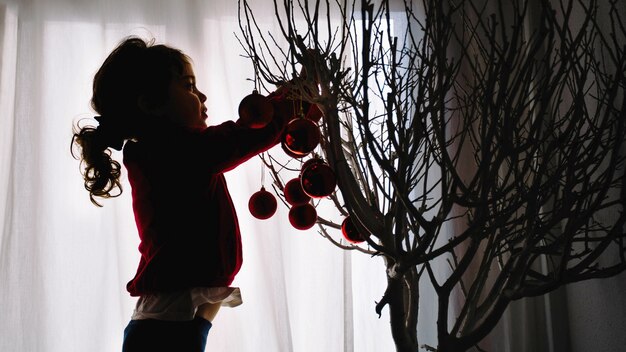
(138, 84)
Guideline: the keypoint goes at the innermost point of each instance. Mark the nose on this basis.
(201, 96)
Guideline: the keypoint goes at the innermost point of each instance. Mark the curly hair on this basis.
(135, 76)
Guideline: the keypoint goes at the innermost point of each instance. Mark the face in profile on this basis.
(185, 105)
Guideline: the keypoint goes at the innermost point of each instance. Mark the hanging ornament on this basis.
(349, 231)
(318, 180)
(303, 217)
(294, 194)
(301, 136)
(255, 110)
(262, 204)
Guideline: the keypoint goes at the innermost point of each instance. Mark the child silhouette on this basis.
(149, 106)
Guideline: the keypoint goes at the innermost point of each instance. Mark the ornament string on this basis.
(256, 77)
(262, 170)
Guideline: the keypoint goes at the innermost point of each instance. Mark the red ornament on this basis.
(262, 204)
(318, 180)
(303, 217)
(294, 194)
(301, 136)
(349, 231)
(255, 110)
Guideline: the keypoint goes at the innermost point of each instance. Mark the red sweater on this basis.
(184, 213)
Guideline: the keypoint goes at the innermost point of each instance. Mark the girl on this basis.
(149, 105)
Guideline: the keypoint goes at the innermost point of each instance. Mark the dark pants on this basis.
(166, 336)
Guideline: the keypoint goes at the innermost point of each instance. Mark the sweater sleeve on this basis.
(223, 147)
(228, 145)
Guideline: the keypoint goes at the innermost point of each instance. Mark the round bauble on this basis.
(349, 231)
(255, 111)
(301, 136)
(262, 204)
(294, 194)
(318, 180)
(303, 217)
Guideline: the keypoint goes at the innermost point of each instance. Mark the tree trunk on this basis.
(403, 329)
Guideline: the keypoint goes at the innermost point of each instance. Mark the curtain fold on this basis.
(8, 44)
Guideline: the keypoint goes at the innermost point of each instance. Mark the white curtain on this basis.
(64, 263)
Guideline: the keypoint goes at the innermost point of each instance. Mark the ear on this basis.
(150, 107)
